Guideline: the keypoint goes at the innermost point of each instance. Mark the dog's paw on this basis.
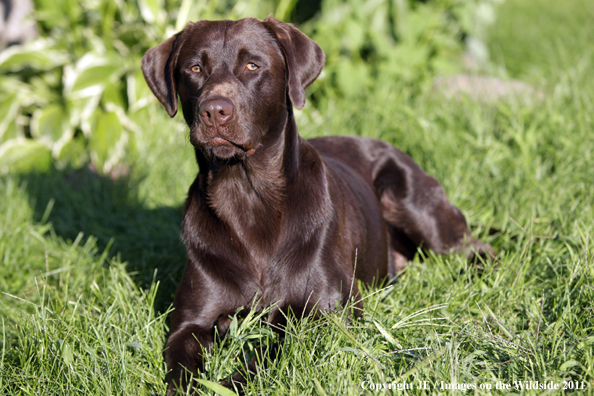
(236, 383)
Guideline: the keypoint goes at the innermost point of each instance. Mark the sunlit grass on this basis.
(86, 313)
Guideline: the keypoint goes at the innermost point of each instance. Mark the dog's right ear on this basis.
(158, 67)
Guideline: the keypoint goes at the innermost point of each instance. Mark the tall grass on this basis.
(88, 266)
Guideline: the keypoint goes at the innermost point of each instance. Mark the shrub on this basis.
(73, 96)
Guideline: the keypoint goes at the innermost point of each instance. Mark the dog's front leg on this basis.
(184, 355)
(201, 305)
(264, 355)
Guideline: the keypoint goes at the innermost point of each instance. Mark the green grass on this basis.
(88, 266)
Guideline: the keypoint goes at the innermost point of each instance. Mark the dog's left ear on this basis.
(303, 56)
(158, 67)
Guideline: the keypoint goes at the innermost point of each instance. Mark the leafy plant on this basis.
(75, 95)
(395, 40)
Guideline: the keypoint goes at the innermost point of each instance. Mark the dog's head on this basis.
(234, 79)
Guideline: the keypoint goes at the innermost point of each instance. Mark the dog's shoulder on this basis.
(329, 144)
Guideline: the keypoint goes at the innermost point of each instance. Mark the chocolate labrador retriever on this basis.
(272, 218)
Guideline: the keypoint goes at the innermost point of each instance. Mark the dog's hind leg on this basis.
(418, 213)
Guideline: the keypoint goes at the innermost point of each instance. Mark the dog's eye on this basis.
(251, 66)
(196, 69)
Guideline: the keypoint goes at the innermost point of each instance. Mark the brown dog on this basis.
(271, 217)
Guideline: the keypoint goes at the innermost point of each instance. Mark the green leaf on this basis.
(568, 364)
(22, 155)
(37, 54)
(73, 153)
(320, 387)
(94, 76)
(104, 137)
(355, 35)
(67, 354)
(351, 77)
(50, 124)
(81, 111)
(113, 95)
(284, 9)
(11, 131)
(139, 94)
(151, 10)
(220, 389)
(387, 335)
(233, 326)
(356, 351)
(59, 13)
(183, 15)
(91, 70)
(9, 107)
(134, 345)
(26, 94)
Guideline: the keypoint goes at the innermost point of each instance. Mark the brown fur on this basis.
(271, 217)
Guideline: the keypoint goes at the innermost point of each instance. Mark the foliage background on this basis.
(74, 96)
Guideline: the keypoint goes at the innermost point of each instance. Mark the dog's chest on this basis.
(250, 211)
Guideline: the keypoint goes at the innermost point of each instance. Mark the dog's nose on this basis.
(216, 112)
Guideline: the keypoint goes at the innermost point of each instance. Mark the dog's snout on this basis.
(216, 112)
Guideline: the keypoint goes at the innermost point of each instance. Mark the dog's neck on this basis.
(249, 195)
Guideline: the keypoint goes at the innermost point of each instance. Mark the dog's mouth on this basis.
(223, 148)
(220, 141)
